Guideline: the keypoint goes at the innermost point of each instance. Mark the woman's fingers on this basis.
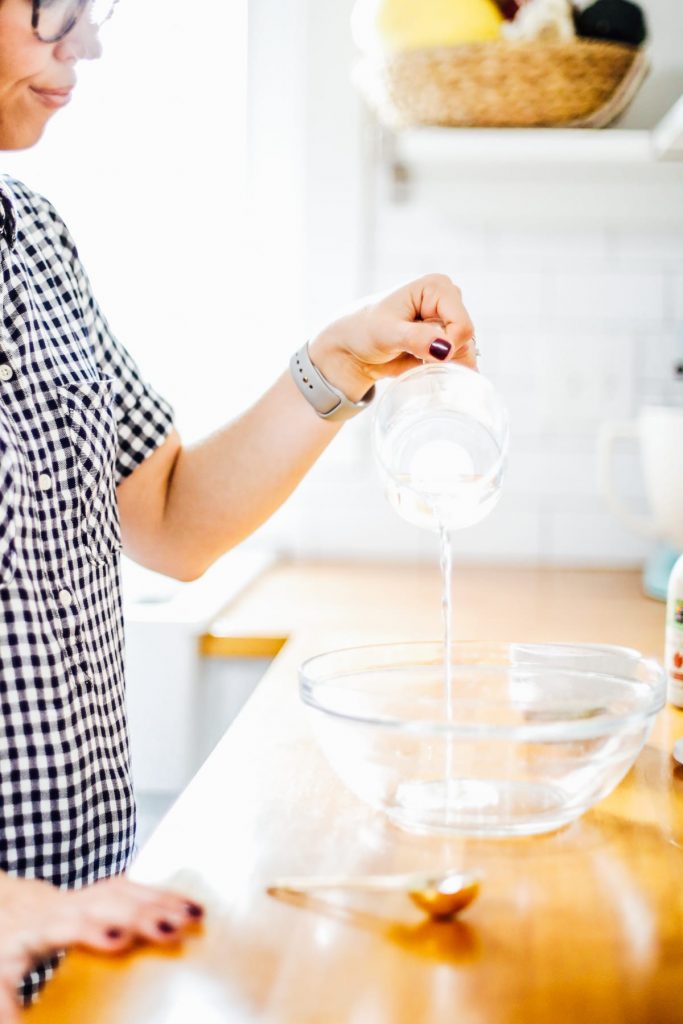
(155, 923)
(9, 1004)
(436, 297)
(432, 343)
(428, 320)
(121, 895)
(113, 939)
(135, 911)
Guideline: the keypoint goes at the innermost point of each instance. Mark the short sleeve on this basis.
(143, 418)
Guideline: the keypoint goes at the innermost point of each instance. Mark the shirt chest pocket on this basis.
(91, 436)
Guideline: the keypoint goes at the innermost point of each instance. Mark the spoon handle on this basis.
(305, 883)
(373, 883)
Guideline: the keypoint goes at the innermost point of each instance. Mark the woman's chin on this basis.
(20, 136)
(22, 124)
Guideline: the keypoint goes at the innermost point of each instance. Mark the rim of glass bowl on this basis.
(434, 370)
(564, 730)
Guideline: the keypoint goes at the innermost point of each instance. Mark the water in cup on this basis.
(446, 481)
(440, 438)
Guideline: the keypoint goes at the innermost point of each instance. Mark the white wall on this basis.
(574, 276)
(147, 165)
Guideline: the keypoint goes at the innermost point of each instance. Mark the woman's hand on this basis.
(424, 321)
(36, 919)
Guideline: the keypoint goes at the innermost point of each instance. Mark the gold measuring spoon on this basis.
(441, 895)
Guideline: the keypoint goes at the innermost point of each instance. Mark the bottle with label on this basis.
(674, 635)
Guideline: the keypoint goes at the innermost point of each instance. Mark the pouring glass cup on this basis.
(440, 438)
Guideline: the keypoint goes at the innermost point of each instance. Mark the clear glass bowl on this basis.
(537, 733)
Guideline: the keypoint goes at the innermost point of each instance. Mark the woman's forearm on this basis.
(227, 485)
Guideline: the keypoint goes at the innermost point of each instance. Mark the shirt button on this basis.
(66, 598)
(6, 372)
(45, 482)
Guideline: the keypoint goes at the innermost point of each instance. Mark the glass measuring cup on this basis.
(440, 438)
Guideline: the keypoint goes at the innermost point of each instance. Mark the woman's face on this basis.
(36, 78)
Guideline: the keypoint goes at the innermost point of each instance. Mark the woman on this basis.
(90, 462)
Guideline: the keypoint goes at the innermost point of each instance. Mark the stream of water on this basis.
(447, 615)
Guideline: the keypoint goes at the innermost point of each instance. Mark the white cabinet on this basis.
(177, 704)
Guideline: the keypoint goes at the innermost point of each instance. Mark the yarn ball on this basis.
(617, 20)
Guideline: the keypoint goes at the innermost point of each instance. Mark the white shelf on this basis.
(521, 145)
(542, 145)
(667, 137)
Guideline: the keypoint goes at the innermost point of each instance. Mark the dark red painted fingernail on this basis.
(440, 348)
(113, 933)
(166, 927)
(194, 910)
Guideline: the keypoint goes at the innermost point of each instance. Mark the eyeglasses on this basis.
(51, 20)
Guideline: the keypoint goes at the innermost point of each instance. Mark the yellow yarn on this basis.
(413, 24)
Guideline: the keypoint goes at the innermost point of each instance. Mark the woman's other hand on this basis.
(37, 919)
(424, 321)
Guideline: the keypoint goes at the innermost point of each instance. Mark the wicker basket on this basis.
(503, 84)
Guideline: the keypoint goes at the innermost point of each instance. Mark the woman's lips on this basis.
(53, 98)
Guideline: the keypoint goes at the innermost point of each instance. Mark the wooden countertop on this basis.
(584, 924)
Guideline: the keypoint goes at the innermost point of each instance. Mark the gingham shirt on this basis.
(75, 419)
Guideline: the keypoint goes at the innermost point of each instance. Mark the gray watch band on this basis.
(329, 403)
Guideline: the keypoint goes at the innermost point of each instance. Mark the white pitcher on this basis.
(659, 431)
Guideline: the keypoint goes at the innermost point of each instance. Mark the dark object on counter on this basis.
(617, 20)
(509, 8)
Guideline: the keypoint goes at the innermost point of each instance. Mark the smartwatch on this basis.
(329, 402)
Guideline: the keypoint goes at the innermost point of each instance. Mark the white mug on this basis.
(659, 430)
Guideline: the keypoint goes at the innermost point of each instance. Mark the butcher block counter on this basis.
(585, 924)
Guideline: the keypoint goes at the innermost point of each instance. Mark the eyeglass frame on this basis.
(80, 7)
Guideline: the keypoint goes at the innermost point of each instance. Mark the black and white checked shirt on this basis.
(75, 419)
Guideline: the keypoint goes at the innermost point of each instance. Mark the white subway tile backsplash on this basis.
(553, 477)
(342, 512)
(511, 533)
(632, 197)
(524, 401)
(628, 297)
(675, 284)
(655, 391)
(584, 378)
(508, 351)
(634, 247)
(656, 354)
(549, 248)
(591, 538)
(429, 239)
(496, 297)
